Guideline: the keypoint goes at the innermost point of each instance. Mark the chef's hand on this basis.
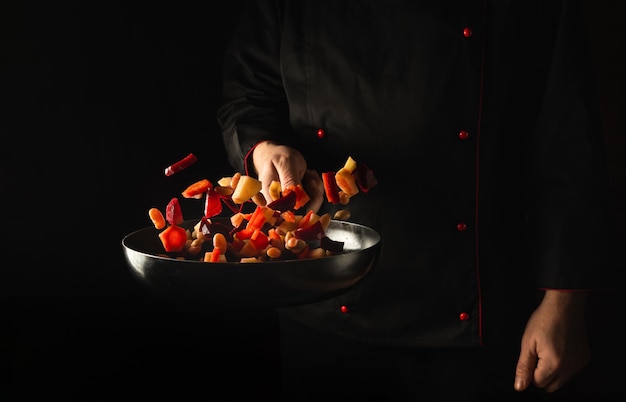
(554, 344)
(288, 166)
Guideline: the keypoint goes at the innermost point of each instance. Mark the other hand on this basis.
(554, 344)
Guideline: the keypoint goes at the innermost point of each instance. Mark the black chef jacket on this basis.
(477, 118)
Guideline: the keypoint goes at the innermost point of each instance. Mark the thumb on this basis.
(287, 179)
(290, 174)
(525, 368)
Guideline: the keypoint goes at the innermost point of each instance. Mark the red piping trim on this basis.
(246, 165)
(478, 127)
(577, 290)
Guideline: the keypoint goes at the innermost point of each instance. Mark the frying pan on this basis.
(270, 284)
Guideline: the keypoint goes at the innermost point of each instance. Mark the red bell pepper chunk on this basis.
(212, 203)
(259, 242)
(181, 164)
(330, 187)
(173, 238)
(173, 212)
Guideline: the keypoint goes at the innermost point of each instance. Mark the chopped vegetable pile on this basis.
(272, 231)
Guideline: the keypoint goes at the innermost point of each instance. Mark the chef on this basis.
(479, 123)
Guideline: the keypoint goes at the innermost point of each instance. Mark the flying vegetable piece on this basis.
(197, 189)
(365, 178)
(173, 238)
(346, 182)
(181, 164)
(260, 241)
(213, 256)
(286, 202)
(257, 219)
(308, 219)
(209, 228)
(330, 187)
(301, 196)
(212, 203)
(157, 218)
(173, 212)
(246, 187)
(314, 231)
(275, 190)
(350, 164)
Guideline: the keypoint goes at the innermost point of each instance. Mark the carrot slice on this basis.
(273, 234)
(157, 218)
(257, 220)
(173, 238)
(196, 189)
(289, 216)
(306, 219)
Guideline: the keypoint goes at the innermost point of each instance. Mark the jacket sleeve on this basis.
(253, 106)
(567, 182)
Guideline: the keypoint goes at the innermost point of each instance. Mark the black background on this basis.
(96, 98)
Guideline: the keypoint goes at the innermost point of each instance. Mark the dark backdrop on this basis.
(96, 98)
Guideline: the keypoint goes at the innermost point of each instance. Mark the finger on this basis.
(289, 177)
(524, 370)
(554, 385)
(291, 170)
(545, 375)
